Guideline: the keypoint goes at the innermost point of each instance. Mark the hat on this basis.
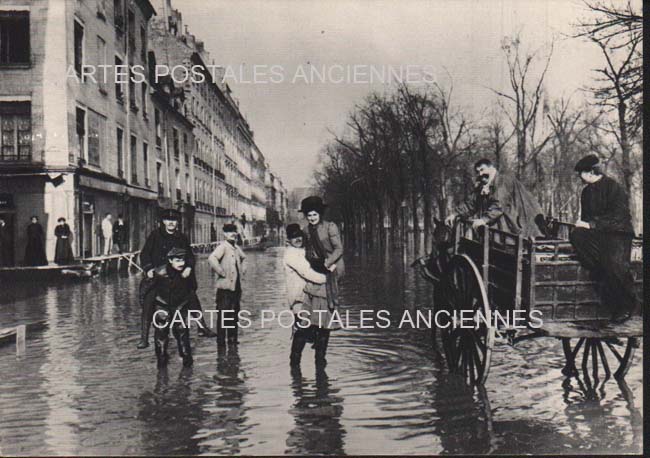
(312, 203)
(587, 163)
(177, 253)
(170, 214)
(293, 231)
(229, 227)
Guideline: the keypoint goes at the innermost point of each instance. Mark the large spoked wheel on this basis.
(612, 356)
(467, 349)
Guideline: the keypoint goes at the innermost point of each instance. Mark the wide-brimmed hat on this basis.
(229, 227)
(312, 203)
(170, 214)
(587, 163)
(177, 252)
(294, 231)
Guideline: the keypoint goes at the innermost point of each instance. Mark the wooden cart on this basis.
(554, 296)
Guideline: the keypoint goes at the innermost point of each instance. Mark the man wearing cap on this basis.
(153, 255)
(500, 200)
(227, 261)
(603, 236)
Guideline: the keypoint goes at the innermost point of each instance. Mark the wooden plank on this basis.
(594, 329)
(21, 336)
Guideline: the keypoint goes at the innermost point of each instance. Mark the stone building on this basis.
(74, 140)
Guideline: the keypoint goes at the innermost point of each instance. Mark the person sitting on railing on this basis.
(603, 236)
(499, 200)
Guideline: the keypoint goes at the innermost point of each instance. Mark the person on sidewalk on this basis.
(324, 251)
(298, 274)
(107, 233)
(172, 297)
(63, 251)
(35, 248)
(5, 245)
(603, 236)
(154, 253)
(227, 261)
(121, 235)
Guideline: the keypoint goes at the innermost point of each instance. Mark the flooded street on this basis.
(84, 388)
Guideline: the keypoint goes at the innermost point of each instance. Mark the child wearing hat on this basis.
(298, 274)
(227, 261)
(173, 293)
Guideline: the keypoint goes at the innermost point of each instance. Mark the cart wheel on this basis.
(467, 350)
(596, 354)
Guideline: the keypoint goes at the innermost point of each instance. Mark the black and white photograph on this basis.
(321, 227)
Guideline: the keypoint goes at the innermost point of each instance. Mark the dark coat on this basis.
(605, 206)
(5, 247)
(63, 252)
(35, 248)
(171, 289)
(330, 237)
(120, 232)
(158, 244)
(508, 206)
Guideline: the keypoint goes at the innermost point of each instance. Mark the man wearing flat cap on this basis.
(603, 236)
(153, 255)
(227, 261)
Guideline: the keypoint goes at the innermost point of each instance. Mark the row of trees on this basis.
(410, 152)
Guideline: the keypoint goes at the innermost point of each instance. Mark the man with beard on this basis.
(500, 200)
(153, 255)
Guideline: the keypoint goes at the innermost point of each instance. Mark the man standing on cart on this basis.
(500, 200)
(603, 236)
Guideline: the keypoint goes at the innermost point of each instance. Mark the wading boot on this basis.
(321, 340)
(144, 334)
(184, 349)
(161, 351)
(297, 345)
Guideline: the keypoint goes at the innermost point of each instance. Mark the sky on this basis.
(293, 117)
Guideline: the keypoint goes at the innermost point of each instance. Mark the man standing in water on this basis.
(153, 255)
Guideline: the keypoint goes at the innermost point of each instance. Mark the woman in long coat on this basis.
(324, 251)
(63, 253)
(35, 249)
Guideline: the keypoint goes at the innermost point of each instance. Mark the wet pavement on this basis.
(83, 388)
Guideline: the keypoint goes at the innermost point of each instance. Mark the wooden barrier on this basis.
(19, 335)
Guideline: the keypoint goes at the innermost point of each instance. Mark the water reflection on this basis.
(317, 413)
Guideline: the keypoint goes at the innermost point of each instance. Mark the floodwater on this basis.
(83, 387)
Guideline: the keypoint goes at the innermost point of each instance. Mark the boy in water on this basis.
(298, 272)
(173, 293)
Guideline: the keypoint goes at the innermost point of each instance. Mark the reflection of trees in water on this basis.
(593, 413)
(317, 413)
(171, 415)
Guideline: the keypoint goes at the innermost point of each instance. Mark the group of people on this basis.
(114, 234)
(602, 236)
(35, 254)
(313, 261)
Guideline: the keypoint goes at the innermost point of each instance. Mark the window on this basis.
(15, 125)
(158, 127)
(81, 132)
(159, 177)
(131, 30)
(78, 47)
(120, 152)
(143, 43)
(14, 37)
(119, 85)
(176, 143)
(96, 137)
(144, 99)
(188, 186)
(101, 59)
(118, 14)
(133, 104)
(145, 162)
(177, 176)
(134, 159)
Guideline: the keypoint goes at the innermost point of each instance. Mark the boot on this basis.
(297, 345)
(160, 342)
(145, 325)
(204, 330)
(184, 348)
(321, 339)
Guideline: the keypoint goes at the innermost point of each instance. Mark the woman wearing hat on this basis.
(324, 251)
